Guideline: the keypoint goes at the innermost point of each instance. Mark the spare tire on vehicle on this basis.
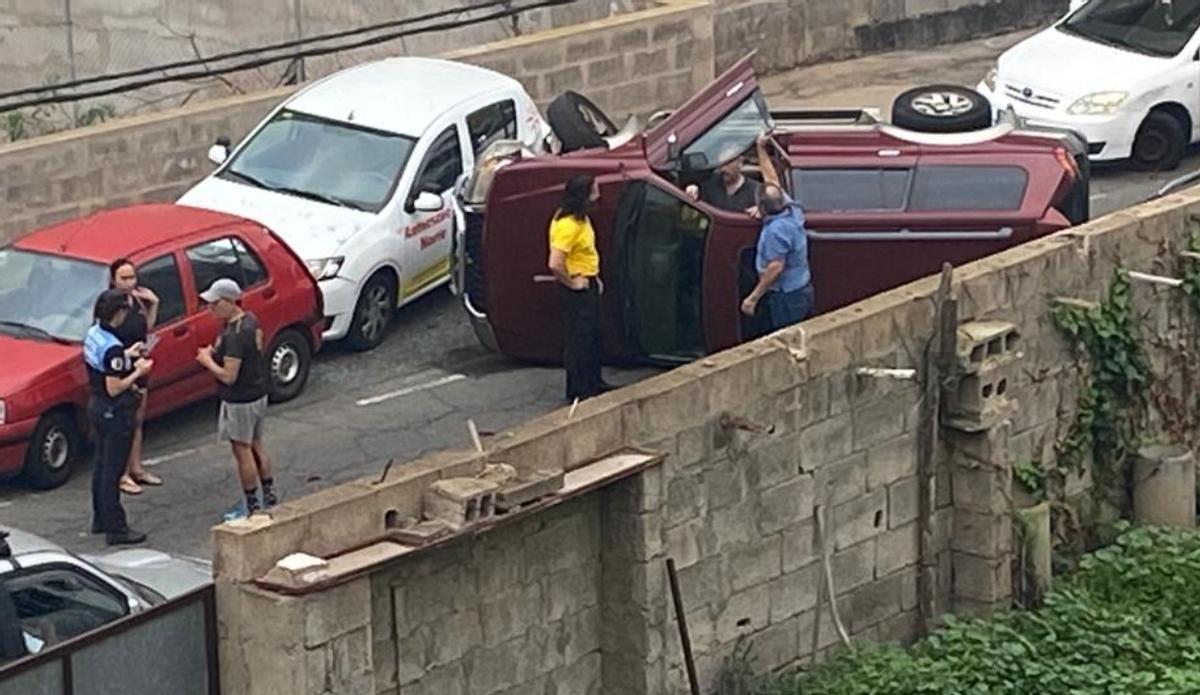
(577, 122)
(942, 108)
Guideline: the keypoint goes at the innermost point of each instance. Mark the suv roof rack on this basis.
(853, 116)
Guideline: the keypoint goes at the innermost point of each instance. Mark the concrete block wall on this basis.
(629, 63)
(788, 33)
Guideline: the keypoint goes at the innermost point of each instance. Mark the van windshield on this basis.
(1152, 27)
(327, 161)
(731, 136)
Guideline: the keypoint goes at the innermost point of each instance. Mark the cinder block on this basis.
(904, 501)
(422, 533)
(981, 533)
(528, 487)
(860, 519)
(854, 566)
(755, 564)
(460, 502)
(987, 580)
(744, 613)
(897, 549)
(794, 593)
(841, 481)
(785, 505)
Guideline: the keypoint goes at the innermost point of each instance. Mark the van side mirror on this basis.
(428, 202)
(219, 152)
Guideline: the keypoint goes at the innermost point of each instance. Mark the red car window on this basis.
(161, 275)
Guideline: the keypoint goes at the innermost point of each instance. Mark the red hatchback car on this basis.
(50, 279)
(885, 205)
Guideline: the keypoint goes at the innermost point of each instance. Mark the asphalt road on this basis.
(415, 393)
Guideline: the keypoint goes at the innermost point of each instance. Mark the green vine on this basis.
(1031, 476)
(1112, 403)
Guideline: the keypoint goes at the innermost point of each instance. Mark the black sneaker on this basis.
(96, 530)
(126, 537)
(269, 499)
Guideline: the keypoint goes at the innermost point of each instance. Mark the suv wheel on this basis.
(373, 312)
(942, 109)
(55, 446)
(288, 362)
(1160, 143)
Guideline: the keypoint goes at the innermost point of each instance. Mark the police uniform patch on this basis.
(116, 364)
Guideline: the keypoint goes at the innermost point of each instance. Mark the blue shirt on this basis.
(783, 237)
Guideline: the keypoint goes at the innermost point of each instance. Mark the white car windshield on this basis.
(331, 162)
(46, 297)
(1152, 27)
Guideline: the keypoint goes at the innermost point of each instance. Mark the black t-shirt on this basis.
(713, 192)
(135, 327)
(239, 340)
(117, 364)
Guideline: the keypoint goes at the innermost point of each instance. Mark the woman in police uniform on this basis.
(113, 373)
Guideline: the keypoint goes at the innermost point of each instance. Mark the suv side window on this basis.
(491, 123)
(938, 188)
(836, 190)
(58, 602)
(161, 275)
(442, 165)
(224, 258)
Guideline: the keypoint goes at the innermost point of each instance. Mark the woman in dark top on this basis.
(139, 321)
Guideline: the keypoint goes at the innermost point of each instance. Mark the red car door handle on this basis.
(269, 294)
(179, 331)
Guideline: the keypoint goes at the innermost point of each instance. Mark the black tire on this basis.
(56, 446)
(942, 108)
(373, 313)
(577, 122)
(289, 361)
(1160, 143)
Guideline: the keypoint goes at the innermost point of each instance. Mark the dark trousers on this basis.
(787, 308)
(581, 340)
(114, 436)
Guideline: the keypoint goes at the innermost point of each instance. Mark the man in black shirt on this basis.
(729, 189)
(236, 360)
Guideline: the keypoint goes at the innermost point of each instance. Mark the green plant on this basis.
(1112, 404)
(1032, 477)
(1127, 622)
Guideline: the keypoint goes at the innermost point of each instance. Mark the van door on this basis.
(425, 254)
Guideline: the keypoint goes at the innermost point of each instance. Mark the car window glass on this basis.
(937, 188)
(1153, 27)
(837, 190)
(327, 161)
(55, 604)
(442, 165)
(491, 123)
(44, 294)
(161, 275)
(215, 260)
(731, 136)
(252, 268)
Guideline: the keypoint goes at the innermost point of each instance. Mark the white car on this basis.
(355, 174)
(1122, 73)
(54, 595)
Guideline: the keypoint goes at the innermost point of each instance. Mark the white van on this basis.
(355, 173)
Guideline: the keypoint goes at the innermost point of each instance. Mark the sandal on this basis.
(129, 487)
(146, 478)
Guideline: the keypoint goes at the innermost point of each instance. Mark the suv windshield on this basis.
(1152, 27)
(327, 161)
(731, 136)
(47, 297)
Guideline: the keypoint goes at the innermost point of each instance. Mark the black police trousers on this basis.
(113, 426)
(581, 340)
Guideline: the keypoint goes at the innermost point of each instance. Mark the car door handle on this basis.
(269, 293)
(179, 331)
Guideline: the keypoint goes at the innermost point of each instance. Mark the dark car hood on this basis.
(27, 359)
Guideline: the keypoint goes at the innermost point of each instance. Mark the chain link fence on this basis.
(59, 42)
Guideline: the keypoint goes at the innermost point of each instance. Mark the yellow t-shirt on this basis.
(577, 240)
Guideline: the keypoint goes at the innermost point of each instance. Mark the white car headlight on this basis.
(325, 268)
(1098, 104)
(989, 80)
(3, 412)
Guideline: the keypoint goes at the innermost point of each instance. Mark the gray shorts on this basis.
(242, 422)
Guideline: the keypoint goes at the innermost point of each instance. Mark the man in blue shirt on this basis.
(782, 262)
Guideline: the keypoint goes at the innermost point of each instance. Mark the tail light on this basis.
(1067, 162)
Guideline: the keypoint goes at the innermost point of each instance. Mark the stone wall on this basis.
(788, 33)
(631, 63)
(736, 510)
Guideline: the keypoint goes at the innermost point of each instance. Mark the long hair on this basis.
(576, 195)
(114, 267)
(108, 304)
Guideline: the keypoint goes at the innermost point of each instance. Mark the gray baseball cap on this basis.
(223, 288)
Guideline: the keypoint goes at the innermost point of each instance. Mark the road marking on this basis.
(4, 505)
(168, 457)
(411, 390)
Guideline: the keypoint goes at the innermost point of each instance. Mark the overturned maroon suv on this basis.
(885, 205)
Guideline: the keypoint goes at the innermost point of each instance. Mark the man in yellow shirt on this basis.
(576, 265)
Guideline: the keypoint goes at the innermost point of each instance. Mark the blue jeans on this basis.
(786, 308)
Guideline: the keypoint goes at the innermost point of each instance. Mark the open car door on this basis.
(678, 141)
